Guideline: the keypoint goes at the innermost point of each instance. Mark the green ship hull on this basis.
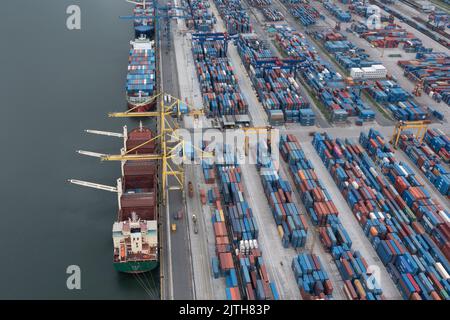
(135, 266)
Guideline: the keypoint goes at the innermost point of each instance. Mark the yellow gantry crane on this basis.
(421, 127)
(255, 130)
(169, 107)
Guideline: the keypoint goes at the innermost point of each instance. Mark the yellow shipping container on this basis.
(280, 231)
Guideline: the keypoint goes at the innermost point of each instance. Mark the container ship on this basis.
(141, 76)
(135, 233)
(144, 23)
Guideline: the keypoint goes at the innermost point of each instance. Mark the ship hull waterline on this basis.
(136, 266)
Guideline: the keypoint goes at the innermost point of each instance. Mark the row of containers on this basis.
(238, 257)
(260, 3)
(220, 90)
(200, 16)
(393, 39)
(327, 85)
(291, 222)
(234, 16)
(389, 36)
(405, 226)
(439, 142)
(432, 70)
(272, 14)
(387, 93)
(360, 284)
(306, 14)
(427, 161)
(311, 277)
(351, 57)
(274, 82)
(341, 15)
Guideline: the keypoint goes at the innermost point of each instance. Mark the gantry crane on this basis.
(421, 127)
(169, 107)
(256, 130)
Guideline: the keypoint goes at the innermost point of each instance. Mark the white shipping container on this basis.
(356, 73)
(444, 216)
(442, 271)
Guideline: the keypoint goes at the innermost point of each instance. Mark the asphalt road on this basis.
(177, 264)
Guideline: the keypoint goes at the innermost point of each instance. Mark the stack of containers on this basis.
(218, 84)
(239, 258)
(324, 214)
(439, 142)
(344, 16)
(201, 18)
(276, 87)
(305, 13)
(427, 161)
(260, 3)
(341, 102)
(234, 15)
(314, 196)
(312, 279)
(397, 100)
(354, 58)
(413, 260)
(388, 91)
(429, 211)
(291, 223)
(432, 70)
(388, 37)
(272, 14)
(366, 10)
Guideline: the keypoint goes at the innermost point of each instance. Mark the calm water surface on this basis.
(54, 83)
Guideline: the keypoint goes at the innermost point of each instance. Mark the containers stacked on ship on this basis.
(312, 279)
(200, 16)
(432, 69)
(291, 222)
(439, 142)
(274, 82)
(324, 214)
(239, 257)
(234, 16)
(144, 24)
(135, 234)
(141, 76)
(427, 161)
(414, 261)
(218, 83)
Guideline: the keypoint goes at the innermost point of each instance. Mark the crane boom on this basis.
(105, 133)
(93, 185)
(92, 154)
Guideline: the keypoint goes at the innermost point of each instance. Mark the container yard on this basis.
(282, 150)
